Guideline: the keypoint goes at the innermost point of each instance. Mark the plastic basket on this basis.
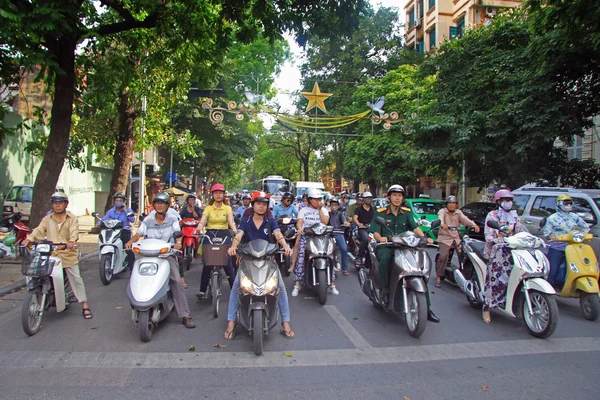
(215, 254)
(35, 265)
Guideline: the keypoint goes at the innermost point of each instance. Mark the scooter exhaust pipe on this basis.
(466, 286)
(351, 256)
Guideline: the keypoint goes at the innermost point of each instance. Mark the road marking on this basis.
(300, 358)
(349, 330)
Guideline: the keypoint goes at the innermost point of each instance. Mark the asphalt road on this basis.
(347, 349)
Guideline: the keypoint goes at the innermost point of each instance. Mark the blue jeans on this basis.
(341, 242)
(234, 300)
(556, 258)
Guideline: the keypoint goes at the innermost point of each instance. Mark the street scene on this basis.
(300, 199)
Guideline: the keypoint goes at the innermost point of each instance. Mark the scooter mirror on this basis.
(177, 235)
(290, 233)
(493, 224)
(381, 221)
(436, 223)
(230, 233)
(236, 219)
(94, 214)
(130, 214)
(542, 223)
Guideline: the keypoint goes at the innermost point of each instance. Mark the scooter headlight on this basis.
(111, 223)
(411, 240)
(578, 237)
(43, 248)
(271, 284)
(148, 269)
(246, 285)
(286, 220)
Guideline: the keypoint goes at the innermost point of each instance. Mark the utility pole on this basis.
(142, 181)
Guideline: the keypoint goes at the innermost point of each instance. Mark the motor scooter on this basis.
(355, 239)
(528, 295)
(111, 249)
(407, 279)
(45, 283)
(582, 270)
(17, 232)
(288, 229)
(149, 292)
(259, 289)
(320, 258)
(190, 242)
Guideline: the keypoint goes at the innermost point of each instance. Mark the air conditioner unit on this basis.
(491, 10)
(418, 23)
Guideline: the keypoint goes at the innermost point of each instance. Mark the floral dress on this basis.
(498, 255)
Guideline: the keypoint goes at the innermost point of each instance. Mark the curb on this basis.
(18, 285)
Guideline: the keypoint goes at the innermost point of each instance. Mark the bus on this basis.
(275, 184)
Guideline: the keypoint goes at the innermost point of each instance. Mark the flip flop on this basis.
(346, 273)
(287, 334)
(438, 284)
(88, 315)
(229, 335)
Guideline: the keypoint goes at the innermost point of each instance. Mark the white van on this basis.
(18, 199)
(301, 187)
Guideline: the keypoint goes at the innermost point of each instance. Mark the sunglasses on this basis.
(567, 203)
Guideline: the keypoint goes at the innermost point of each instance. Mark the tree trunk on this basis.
(355, 186)
(373, 188)
(63, 51)
(123, 155)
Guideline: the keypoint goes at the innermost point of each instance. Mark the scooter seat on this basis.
(478, 247)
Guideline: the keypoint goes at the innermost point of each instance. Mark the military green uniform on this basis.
(397, 224)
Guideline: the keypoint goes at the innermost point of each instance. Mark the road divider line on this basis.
(299, 358)
(351, 333)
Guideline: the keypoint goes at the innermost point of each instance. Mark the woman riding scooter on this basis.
(498, 254)
(217, 218)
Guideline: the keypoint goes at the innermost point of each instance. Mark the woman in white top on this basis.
(312, 214)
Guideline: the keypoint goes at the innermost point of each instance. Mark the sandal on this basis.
(287, 334)
(229, 335)
(200, 295)
(346, 273)
(438, 284)
(87, 315)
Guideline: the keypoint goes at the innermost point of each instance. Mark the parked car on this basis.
(424, 207)
(478, 211)
(535, 203)
(18, 199)
(379, 202)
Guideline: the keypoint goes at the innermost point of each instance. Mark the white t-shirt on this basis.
(311, 216)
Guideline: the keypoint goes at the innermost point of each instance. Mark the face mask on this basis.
(568, 208)
(368, 201)
(118, 204)
(334, 208)
(507, 205)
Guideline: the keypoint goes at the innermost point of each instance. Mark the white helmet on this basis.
(314, 194)
(59, 196)
(367, 194)
(395, 189)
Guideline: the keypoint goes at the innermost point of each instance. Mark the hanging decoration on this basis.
(316, 99)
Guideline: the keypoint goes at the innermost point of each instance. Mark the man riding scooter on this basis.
(160, 224)
(362, 218)
(120, 211)
(399, 220)
(245, 205)
(561, 222)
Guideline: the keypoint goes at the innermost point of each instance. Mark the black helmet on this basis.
(246, 196)
(261, 199)
(119, 195)
(190, 196)
(58, 197)
(287, 195)
(162, 196)
(359, 195)
(334, 200)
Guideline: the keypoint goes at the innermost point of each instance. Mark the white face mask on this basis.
(334, 208)
(507, 205)
(567, 208)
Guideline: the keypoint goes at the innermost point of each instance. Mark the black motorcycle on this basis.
(288, 229)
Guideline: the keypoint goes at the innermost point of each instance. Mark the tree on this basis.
(48, 32)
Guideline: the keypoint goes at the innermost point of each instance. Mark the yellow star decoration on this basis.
(316, 98)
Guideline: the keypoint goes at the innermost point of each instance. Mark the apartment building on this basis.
(430, 22)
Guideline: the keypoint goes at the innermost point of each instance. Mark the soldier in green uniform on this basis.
(399, 220)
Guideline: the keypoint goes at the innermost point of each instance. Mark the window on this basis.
(421, 9)
(460, 26)
(584, 209)
(453, 34)
(420, 46)
(544, 206)
(427, 208)
(411, 18)
(26, 194)
(478, 210)
(520, 202)
(576, 150)
(431, 4)
(432, 41)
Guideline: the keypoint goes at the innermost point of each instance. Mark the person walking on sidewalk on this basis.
(61, 226)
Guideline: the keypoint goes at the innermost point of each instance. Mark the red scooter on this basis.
(190, 241)
(17, 232)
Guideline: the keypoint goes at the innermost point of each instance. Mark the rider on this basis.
(217, 217)
(399, 220)
(285, 208)
(337, 219)
(303, 202)
(61, 226)
(561, 223)
(308, 216)
(450, 217)
(120, 211)
(161, 224)
(352, 207)
(191, 210)
(258, 226)
(245, 205)
(362, 217)
(249, 211)
(497, 253)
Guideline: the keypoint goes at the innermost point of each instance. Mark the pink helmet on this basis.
(502, 194)
(217, 186)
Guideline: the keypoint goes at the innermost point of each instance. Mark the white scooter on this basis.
(111, 249)
(528, 295)
(148, 291)
(45, 283)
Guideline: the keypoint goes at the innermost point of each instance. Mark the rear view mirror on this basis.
(436, 223)
(290, 233)
(94, 214)
(237, 219)
(493, 224)
(381, 221)
(177, 235)
(542, 223)
(131, 214)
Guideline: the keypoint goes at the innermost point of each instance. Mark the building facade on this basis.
(430, 22)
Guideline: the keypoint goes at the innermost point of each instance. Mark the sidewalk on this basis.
(11, 278)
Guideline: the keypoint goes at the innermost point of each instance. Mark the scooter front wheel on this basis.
(216, 296)
(32, 311)
(590, 305)
(542, 322)
(257, 331)
(322, 288)
(106, 271)
(145, 326)
(416, 318)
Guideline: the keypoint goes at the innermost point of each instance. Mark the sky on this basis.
(288, 80)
